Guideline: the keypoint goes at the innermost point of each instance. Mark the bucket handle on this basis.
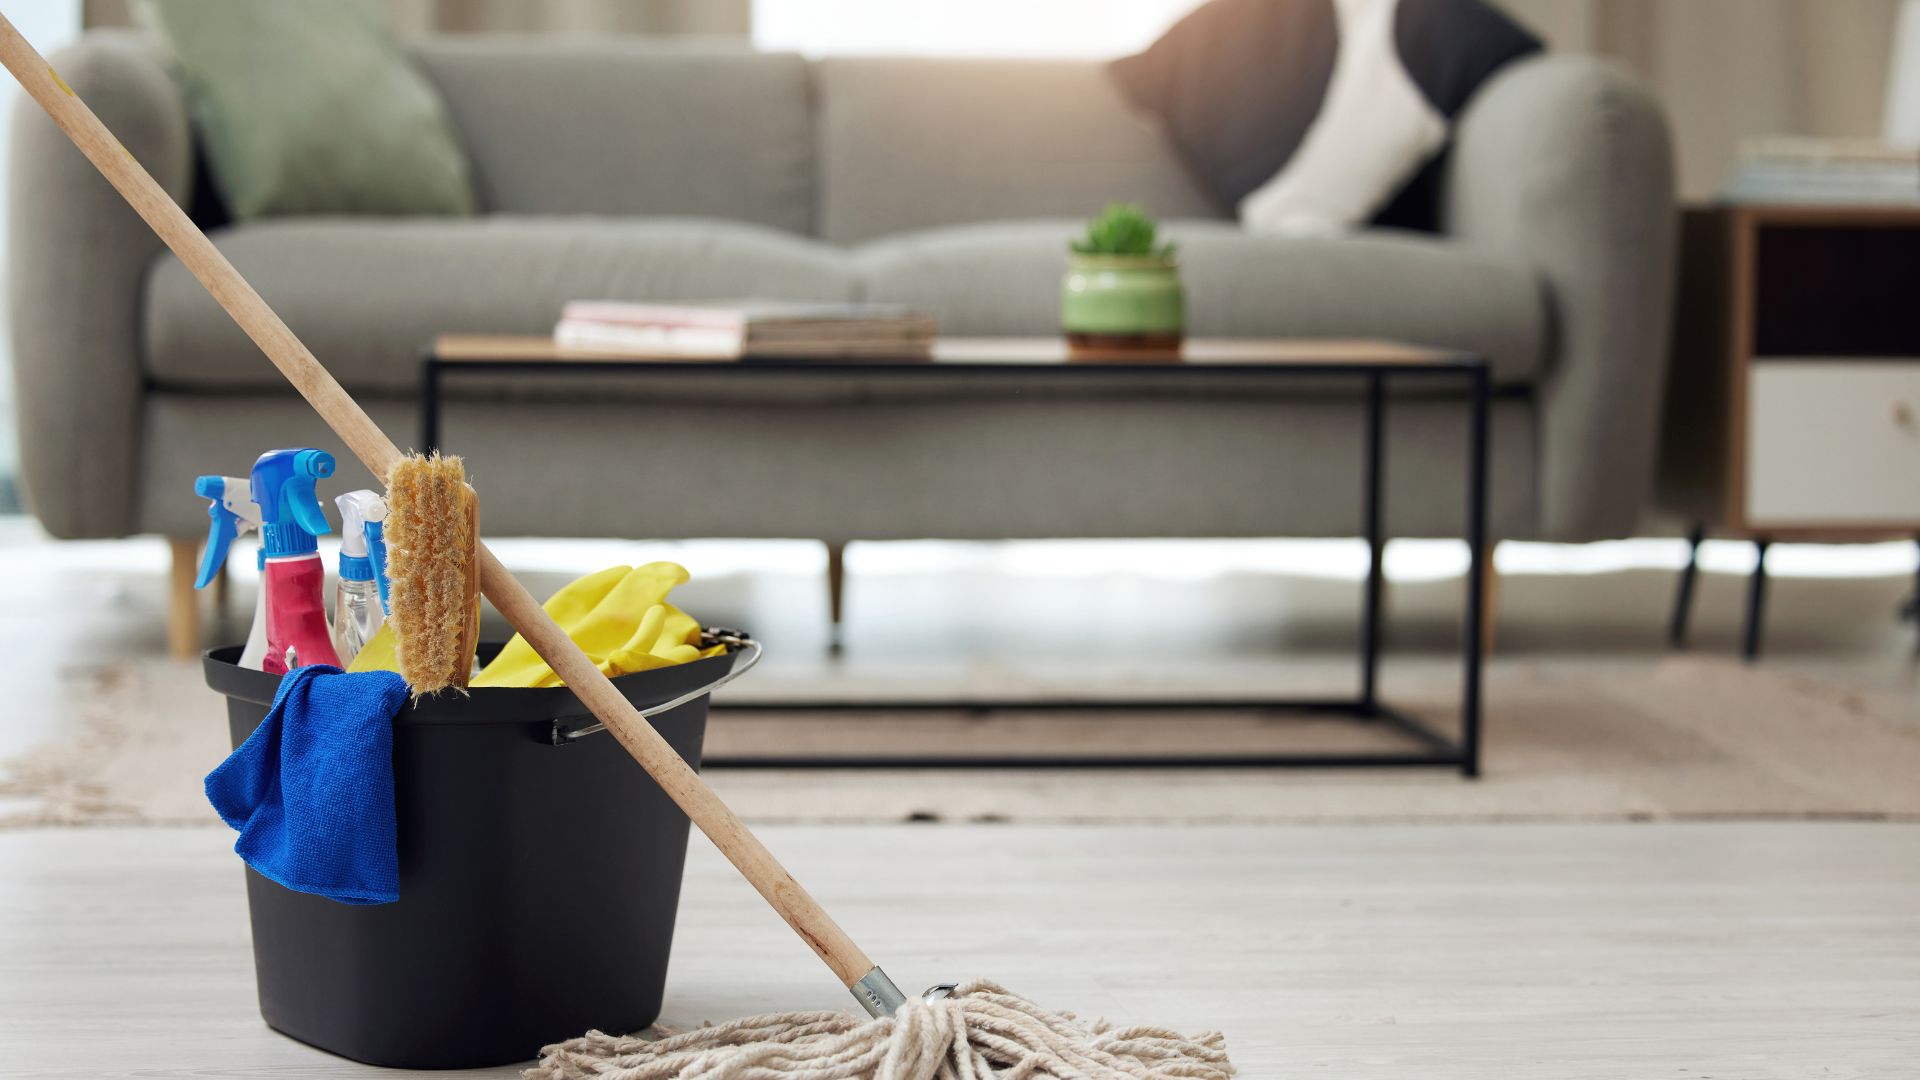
(736, 641)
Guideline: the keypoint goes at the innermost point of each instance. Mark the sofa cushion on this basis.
(625, 126)
(312, 110)
(919, 143)
(1004, 279)
(367, 295)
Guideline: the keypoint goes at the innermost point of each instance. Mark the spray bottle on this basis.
(234, 514)
(293, 577)
(377, 555)
(358, 608)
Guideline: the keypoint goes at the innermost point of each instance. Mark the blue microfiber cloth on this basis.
(311, 790)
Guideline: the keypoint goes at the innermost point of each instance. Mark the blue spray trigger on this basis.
(233, 512)
(302, 502)
(219, 537)
(283, 486)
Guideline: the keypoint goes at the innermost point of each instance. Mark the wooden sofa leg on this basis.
(836, 589)
(183, 604)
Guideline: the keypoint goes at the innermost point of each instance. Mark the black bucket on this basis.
(538, 880)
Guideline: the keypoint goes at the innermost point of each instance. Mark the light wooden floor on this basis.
(1729, 950)
(1737, 951)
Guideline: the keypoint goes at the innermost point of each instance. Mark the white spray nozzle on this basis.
(356, 509)
(235, 496)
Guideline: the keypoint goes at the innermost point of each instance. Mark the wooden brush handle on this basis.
(372, 446)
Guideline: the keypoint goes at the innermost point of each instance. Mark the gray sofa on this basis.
(638, 170)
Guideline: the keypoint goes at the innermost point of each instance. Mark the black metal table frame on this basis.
(1428, 747)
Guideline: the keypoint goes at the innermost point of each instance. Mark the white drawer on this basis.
(1833, 442)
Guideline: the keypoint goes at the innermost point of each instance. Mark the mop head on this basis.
(980, 1033)
(433, 538)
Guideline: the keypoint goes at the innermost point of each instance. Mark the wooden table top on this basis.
(989, 352)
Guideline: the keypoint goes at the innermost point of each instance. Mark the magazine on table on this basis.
(748, 328)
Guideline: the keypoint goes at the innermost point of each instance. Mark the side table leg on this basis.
(1683, 593)
(1756, 602)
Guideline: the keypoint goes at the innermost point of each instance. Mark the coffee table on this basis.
(1009, 360)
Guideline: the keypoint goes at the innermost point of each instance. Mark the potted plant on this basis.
(1122, 289)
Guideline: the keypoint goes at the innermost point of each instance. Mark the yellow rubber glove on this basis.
(619, 617)
(379, 654)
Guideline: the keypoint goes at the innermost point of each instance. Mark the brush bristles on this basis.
(430, 568)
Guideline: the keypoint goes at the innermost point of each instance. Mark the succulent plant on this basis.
(1122, 229)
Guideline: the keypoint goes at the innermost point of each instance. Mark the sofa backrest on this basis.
(627, 127)
(846, 149)
(915, 143)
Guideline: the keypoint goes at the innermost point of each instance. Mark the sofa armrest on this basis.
(77, 259)
(1565, 162)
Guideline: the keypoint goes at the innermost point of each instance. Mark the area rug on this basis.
(1675, 738)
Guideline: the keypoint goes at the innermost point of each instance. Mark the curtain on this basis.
(413, 17)
(1728, 69)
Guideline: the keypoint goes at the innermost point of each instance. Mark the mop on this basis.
(973, 1031)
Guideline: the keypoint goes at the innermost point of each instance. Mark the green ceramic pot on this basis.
(1123, 300)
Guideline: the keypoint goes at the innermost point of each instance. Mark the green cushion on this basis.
(311, 107)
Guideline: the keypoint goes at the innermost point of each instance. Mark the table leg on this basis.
(1474, 647)
(429, 404)
(1376, 542)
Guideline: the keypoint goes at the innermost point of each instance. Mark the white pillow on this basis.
(1374, 130)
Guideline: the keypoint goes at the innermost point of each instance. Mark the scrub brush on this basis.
(975, 1030)
(433, 539)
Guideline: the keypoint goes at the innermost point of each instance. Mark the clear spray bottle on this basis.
(357, 607)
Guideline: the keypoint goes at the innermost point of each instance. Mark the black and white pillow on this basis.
(1311, 115)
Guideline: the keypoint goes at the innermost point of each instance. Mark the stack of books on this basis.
(1792, 169)
(748, 328)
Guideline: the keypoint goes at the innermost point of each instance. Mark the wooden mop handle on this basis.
(372, 446)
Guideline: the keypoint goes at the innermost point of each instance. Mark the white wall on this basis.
(1026, 28)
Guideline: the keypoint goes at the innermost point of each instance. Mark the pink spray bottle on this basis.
(293, 577)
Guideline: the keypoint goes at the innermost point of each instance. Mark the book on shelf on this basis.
(1799, 169)
(748, 328)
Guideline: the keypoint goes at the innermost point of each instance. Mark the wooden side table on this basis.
(1793, 401)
